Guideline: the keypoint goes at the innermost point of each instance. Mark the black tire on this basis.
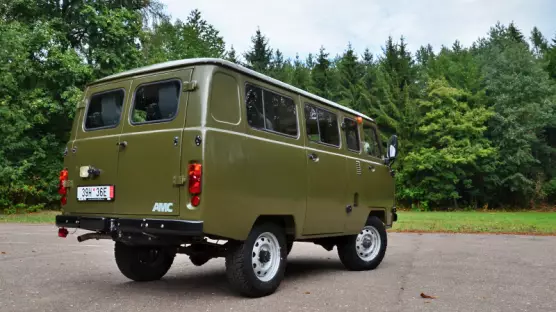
(289, 246)
(348, 253)
(141, 263)
(239, 263)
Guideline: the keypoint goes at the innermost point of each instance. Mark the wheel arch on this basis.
(286, 221)
(379, 213)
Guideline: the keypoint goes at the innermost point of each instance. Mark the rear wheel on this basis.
(365, 250)
(143, 263)
(255, 267)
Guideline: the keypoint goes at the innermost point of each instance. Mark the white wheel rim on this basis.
(266, 256)
(367, 243)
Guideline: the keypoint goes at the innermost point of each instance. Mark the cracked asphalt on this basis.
(41, 272)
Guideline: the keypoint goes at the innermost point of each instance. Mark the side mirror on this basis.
(392, 151)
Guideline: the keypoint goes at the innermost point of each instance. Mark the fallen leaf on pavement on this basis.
(307, 292)
(427, 296)
(3, 252)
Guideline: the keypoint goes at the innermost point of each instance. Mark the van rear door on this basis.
(95, 150)
(151, 141)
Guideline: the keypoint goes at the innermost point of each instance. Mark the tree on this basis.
(321, 76)
(231, 55)
(301, 74)
(351, 73)
(522, 97)
(451, 147)
(260, 56)
(540, 45)
(179, 40)
(278, 67)
(50, 50)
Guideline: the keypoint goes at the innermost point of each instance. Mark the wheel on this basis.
(255, 267)
(365, 250)
(143, 264)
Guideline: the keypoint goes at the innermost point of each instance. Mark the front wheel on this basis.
(365, 250)
(255, 267)
(143, 263)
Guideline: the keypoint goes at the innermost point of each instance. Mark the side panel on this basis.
(355, 177)
(326, 176)
(151, 158)
(97, 148)
(249, 172)
(379, 184)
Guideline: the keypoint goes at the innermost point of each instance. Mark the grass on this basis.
(537, 223)
(47, 216)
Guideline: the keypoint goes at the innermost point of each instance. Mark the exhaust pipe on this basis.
(96, 236)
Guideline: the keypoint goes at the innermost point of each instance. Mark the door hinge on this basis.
(179, 180)
(189, 85)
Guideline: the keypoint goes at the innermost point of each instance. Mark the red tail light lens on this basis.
(62, 190)
(195, 173)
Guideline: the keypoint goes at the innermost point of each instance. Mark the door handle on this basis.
(372, 168)
(122, 144)
(314, 157)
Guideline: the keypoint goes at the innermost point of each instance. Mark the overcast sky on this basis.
(302, 26)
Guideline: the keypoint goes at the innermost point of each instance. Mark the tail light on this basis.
(195, 174)
(62, 190)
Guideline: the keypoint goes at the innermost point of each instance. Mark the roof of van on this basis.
(237, 67)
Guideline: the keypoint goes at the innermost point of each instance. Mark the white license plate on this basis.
(95, 193)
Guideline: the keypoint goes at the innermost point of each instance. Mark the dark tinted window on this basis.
(352, 134)
(270, 111)
(254, 102)
(322, 125)
(104, 110)
(156, 102)
(280, 113)
(371, 145)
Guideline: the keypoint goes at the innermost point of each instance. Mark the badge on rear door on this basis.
(163, 207)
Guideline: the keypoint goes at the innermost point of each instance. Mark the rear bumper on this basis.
(126, 225)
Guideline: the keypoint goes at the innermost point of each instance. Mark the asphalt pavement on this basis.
(41, 272)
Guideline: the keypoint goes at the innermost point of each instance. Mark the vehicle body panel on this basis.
(151, 159)
(246, 172)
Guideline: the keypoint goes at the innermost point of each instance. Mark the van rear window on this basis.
(156, 102)
(104, 110)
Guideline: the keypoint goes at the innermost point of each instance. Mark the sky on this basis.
(303, 26)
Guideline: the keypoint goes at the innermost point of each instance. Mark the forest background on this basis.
(476, 124)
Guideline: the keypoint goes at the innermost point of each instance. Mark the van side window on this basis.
(156, 102)
(352, 134)
(270, 111)
(322, 125)
(104, 110)
(371, 146)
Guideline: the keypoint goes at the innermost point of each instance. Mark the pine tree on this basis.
(321, 76)
(231, 55)
(277, 67)
(540, 45)
(301, 75)
(351, 73)
(260, 56)
(551, 59)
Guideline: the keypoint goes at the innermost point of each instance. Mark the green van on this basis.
(210, 159)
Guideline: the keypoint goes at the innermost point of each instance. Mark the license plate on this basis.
(95, 193)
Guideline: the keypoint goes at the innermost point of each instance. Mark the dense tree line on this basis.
(477, 124)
